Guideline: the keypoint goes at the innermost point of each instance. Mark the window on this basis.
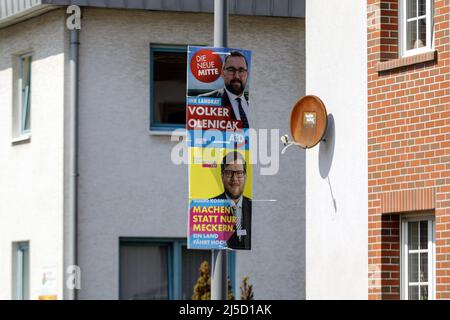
(21, 271)
(418, 262)
(22, 94)
(167, 87)
(161, 269)
(416, 26)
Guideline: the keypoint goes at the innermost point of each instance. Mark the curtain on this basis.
(143, 272)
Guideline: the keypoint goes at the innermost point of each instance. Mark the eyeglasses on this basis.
(232, 71)
(230, 173)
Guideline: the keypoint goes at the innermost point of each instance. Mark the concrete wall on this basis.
(128, 184)
(336, 195)
(31, 173)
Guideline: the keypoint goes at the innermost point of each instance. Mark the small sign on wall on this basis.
(47, 284)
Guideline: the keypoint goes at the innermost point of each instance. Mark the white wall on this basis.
(31, 173)
(128, 184)
(336, 172)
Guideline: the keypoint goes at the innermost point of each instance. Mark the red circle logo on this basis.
(206, 66)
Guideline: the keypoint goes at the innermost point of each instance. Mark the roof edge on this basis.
(290, 9)
(26, 14)
(266, 8)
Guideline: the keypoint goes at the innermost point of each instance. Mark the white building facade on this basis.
(336, 171)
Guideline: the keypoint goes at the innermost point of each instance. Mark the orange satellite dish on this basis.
(308, 121)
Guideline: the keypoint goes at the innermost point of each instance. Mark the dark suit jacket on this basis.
(245, 242)
(221, 93)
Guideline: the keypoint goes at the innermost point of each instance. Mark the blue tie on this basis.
(242, 114)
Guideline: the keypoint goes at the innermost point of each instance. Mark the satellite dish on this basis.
(308, 121)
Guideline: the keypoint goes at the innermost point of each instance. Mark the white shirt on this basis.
(235, 106)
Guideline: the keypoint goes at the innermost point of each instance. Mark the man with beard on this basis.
(234, 176)
(234, 75)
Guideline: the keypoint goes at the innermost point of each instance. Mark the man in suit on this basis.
(235, 76)
(234, 175)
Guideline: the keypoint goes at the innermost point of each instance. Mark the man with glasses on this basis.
(234, 176)
(234, 75)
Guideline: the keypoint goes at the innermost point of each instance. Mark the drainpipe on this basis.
(72, 294)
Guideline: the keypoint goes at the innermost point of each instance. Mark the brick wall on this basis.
(408, 145)
(388, 12)
(390, 256)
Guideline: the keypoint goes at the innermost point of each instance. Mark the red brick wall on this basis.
(408, 145)
(389, 29)
(390, 256)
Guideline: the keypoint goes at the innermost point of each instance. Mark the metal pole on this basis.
(73, 186)
(221, 23)
(219, 274)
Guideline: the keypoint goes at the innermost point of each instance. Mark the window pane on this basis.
(26, 273)
(413, 235)
(143, 272)
(192, 260)
(413, 267)
(411, 35)
(424, 267)
(21, 265)
(26, 62)
(413, 293)
(422, 7)
(26, 89)
(411, 8)
(424, 292)
(423, 234)
(422, 39)
(169, 76)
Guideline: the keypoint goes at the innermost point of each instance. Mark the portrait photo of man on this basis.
(234, 176)
(235, 76)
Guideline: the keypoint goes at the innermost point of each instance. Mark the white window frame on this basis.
(404, 281)
(429, 46)
(20, 110)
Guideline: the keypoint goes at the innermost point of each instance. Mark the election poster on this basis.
(218, 117)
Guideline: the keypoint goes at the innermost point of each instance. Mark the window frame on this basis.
(404, 252)
(24, 110)
(174, 263)
(21, 270)
(154, 47)
(402, 18)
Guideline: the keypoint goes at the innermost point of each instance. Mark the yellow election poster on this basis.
(220, 172)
